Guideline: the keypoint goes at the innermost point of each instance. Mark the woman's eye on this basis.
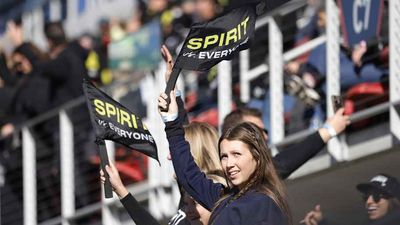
(223, 157)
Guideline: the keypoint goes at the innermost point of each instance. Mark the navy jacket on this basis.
(250, 209)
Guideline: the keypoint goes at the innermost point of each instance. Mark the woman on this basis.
(255, 194)
(381, 200)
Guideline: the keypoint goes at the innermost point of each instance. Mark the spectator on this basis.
(30, 95)
(255, 194)
(382, 202)
(65, 70)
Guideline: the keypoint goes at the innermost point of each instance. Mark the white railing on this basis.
(161, 178)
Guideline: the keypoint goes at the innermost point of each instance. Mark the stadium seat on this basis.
(363, 96)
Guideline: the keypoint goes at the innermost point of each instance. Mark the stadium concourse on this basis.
(303, 52)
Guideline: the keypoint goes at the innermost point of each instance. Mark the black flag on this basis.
(112, 121)
(210, 42)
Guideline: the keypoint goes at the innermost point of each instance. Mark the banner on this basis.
(210, 42)
(137, 51)
(112, 121)
(360, 20)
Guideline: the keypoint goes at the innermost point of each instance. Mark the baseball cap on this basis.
(383, 183)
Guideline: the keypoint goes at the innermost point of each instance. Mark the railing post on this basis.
(277, 130)
(332, 70)
(224, 90)
(67, 168)
(29, 177)
(394, 37)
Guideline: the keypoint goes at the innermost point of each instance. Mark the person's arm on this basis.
(134, 209)
(203, 190)
(290, 159)
(169, 63)
(137, 212)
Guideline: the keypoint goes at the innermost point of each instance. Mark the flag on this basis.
(112, 121)
(209, 43)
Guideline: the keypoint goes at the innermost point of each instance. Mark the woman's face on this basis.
(196, 214)
(237, 162)
(377, 209)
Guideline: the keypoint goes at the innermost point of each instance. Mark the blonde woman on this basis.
(203, 143)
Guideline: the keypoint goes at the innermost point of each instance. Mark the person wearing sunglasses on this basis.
(382, 199)
(382, 202)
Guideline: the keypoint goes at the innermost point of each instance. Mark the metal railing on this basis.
(154, 189)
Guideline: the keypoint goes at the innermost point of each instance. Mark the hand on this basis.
(14, 33)
(168, 61)
(313, 217)
(358, 53)
(292, 67)
(162, 104)
(115, 181)
(339, 121)
(7, 129)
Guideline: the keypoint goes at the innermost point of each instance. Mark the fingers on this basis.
(102, 177)
(109, 170)
(313, 221)
(166, 54)
(308, 218)
(162, 102)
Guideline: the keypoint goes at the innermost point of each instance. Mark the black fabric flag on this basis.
(112, 121)
(210, 42)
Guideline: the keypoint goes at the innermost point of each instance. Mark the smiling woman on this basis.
(255, 193)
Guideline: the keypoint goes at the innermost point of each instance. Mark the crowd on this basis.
(228, 180)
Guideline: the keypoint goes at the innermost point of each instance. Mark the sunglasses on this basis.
(376, 196)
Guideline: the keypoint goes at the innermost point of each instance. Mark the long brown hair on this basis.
(265, 178)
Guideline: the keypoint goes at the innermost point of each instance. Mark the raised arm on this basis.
(290, 159)
(203, 190)
(169, 65)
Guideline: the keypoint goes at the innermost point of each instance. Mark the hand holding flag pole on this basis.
(104, 162)
(210, 42)
(171, 74)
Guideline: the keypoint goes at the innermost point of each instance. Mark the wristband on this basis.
(178, 93)
(330, 129)
(169, 118)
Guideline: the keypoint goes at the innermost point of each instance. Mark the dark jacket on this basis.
(252, 208)
(31, 97)
(65, 73)
(137, 212)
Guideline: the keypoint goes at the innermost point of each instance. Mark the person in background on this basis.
(382, 202)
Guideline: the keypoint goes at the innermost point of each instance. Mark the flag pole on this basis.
(171, 84)
(104, 162)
